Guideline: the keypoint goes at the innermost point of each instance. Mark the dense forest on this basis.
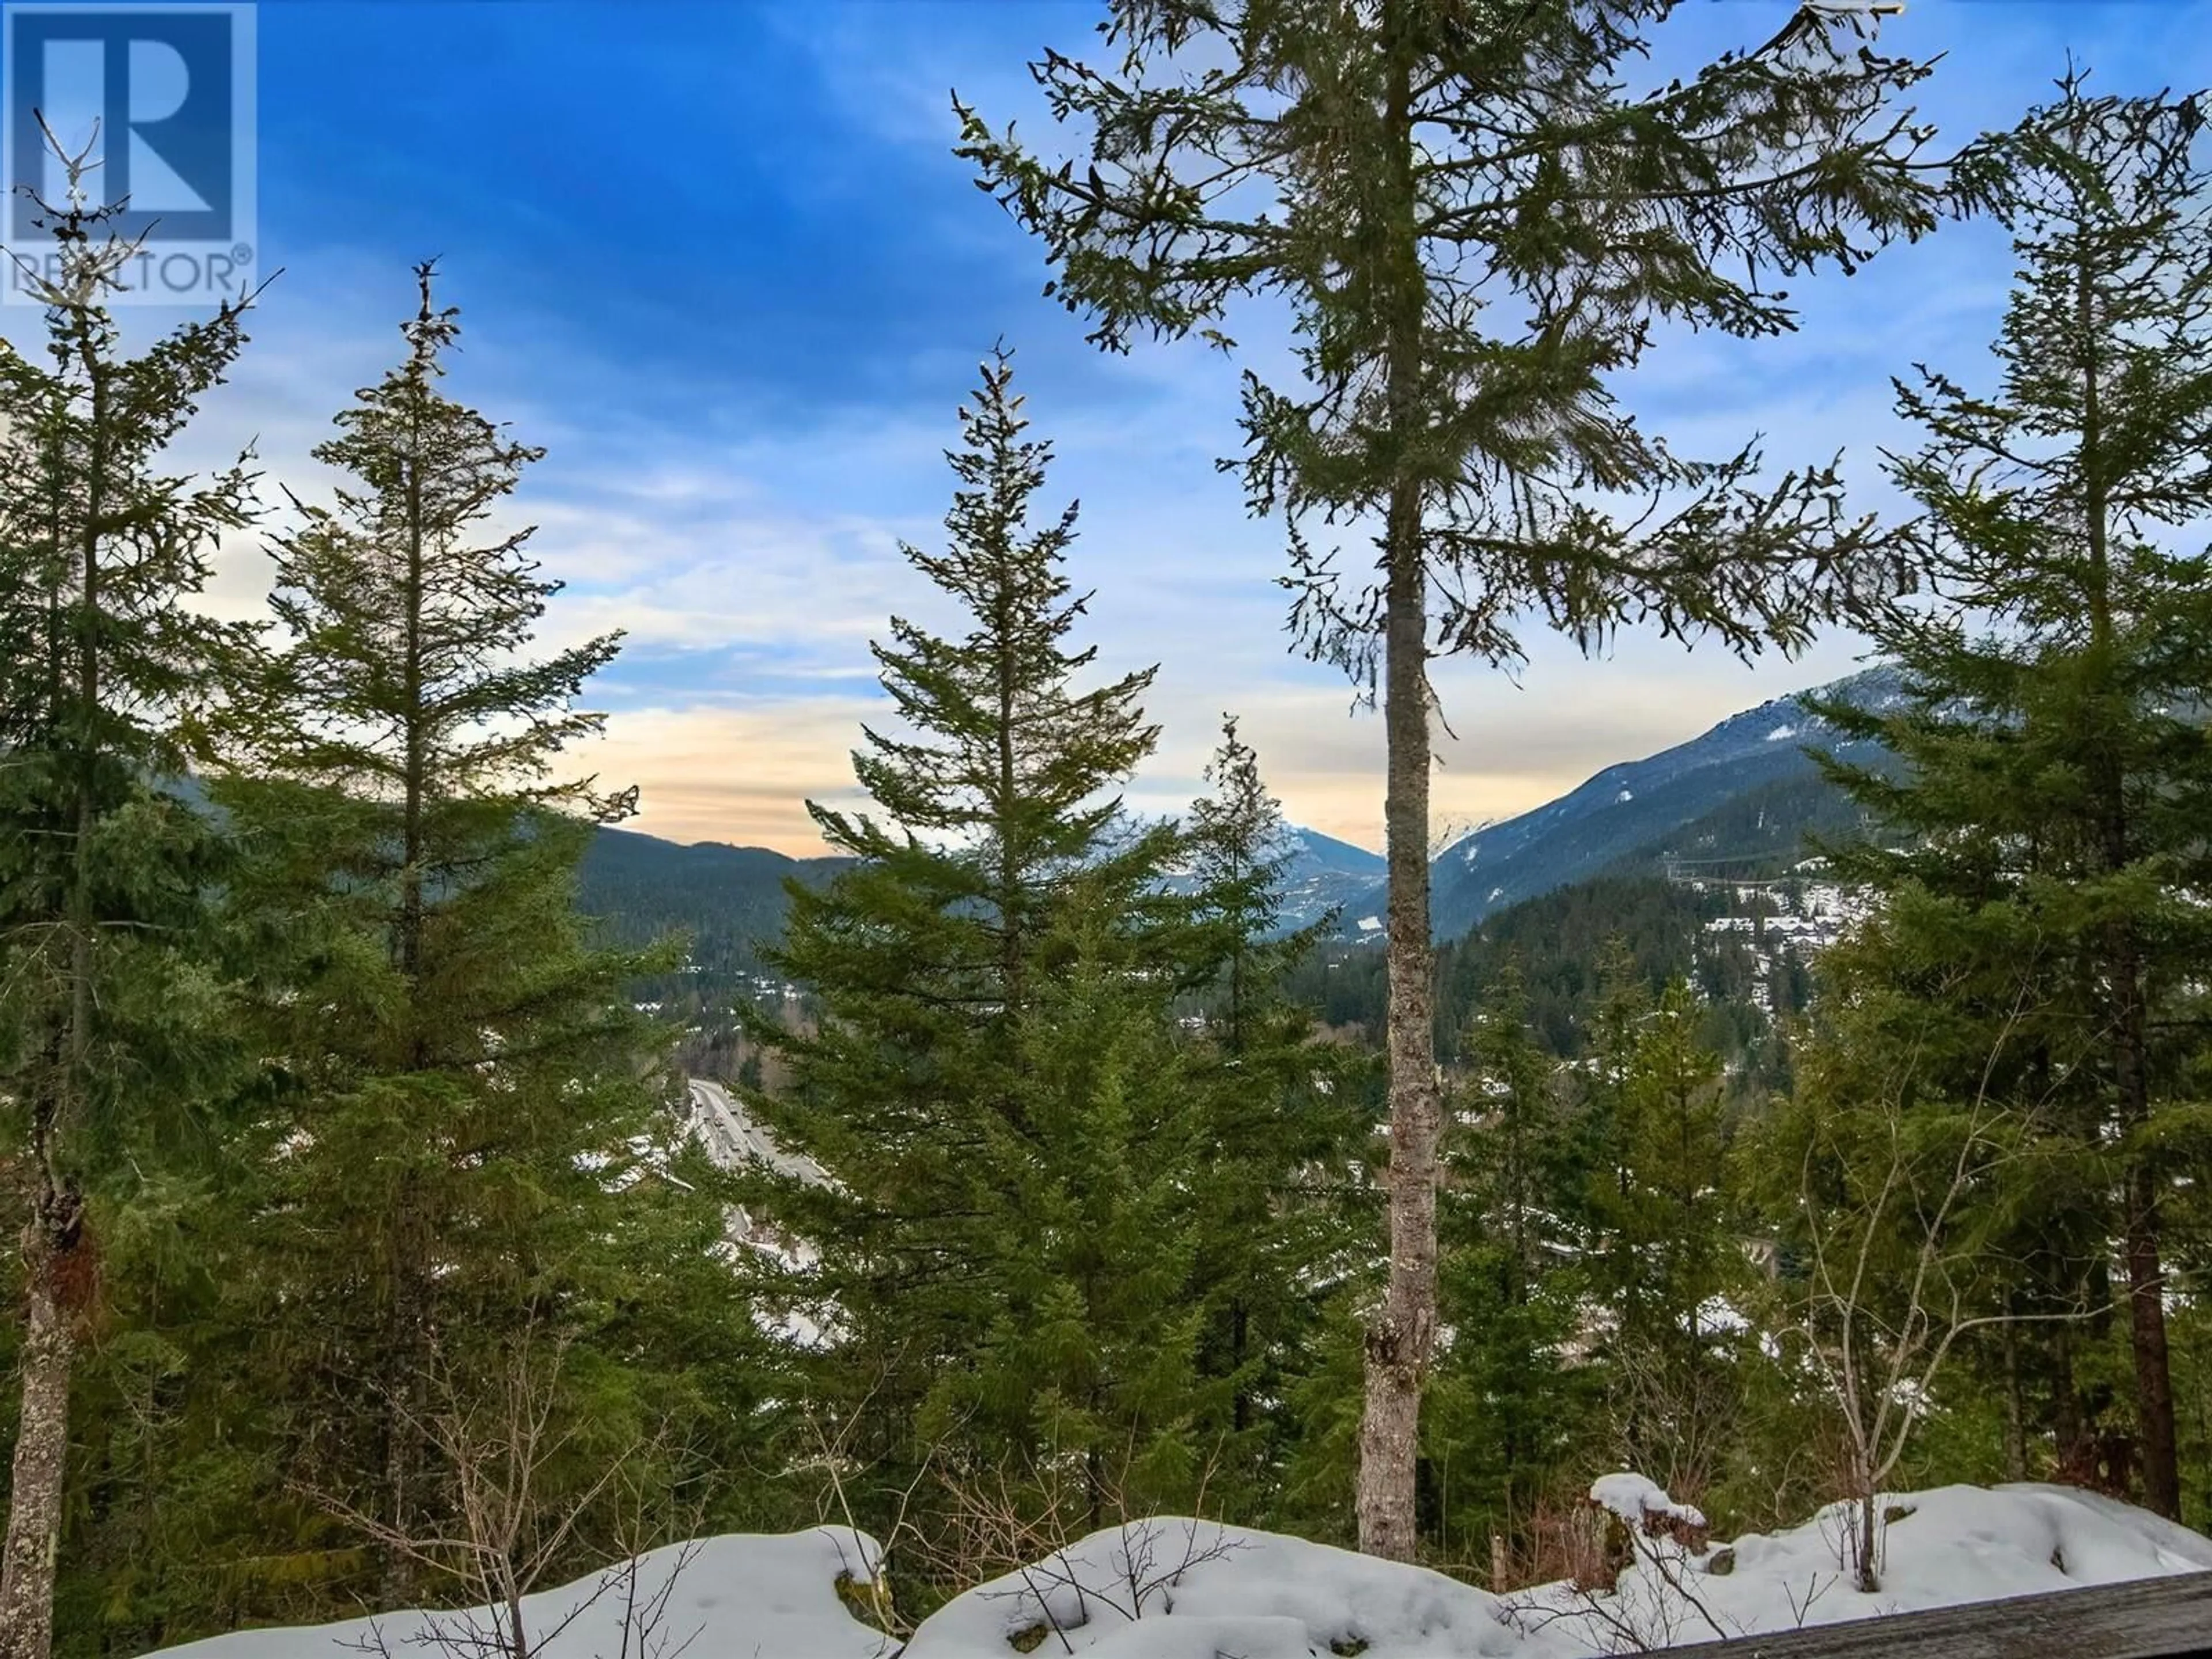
(728, 903)
(368, 1259)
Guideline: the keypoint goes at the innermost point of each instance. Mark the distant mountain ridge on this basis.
(1744, 788)
(1325, 875)
(732, 899)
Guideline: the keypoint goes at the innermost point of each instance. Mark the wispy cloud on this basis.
(741, 772)
(740, 324)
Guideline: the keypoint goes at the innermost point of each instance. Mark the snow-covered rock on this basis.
(1190, 1590)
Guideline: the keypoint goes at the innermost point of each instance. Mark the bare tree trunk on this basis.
(2066, 1425)
(1240, 1325)
(1869, 1580)
(2015, 1437)
(1402, 1335)
(2156, 1443)
(406, 1360)
(34, 1508)
(2161, 1468)
(1399, 1339)
(52, 1292)
(406, 1349)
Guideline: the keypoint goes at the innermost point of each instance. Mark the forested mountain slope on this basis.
(1738, 802)
(730, 900)
(1746, 790)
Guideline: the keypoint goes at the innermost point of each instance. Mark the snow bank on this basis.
(740, 1597)
(1191, 1590)
(1934, 1549)
(1184, 1589)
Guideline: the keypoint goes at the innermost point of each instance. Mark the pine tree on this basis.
(1415, 162)
(1664, 1254)
(1281, 1120)
(2057, 773)
(1509, 1402)
(464, 1147)
(111, 1012)
(1004, 1239)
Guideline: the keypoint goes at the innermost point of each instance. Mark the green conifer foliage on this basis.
(1005, 1238)
(2058, 775)
(110, 1010)
(464, 1156)
(1513, 1400)
(1664, 1257)
(1474, 220)
(1283, 1119)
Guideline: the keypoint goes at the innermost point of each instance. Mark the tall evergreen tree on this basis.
(461, 1153)
(110, 1006)
(1664, 1254)
(990, 1088)
(2059, 773)
(1510, 1402)
(1282, 1118)
(1393, 172)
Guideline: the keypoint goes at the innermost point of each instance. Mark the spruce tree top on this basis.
(2074, 631)
(997, 808)
(403, 677)
(1007, 756)
(103, 650)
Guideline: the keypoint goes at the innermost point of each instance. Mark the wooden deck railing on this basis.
(2155, 1619)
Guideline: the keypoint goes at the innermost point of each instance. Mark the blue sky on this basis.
(716, 255)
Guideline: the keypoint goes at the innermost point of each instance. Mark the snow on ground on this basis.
(740, 1597)
(1192, 1590)
(1935, 1549)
